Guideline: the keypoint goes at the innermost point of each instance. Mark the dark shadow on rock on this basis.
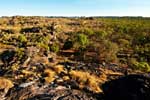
(7, 56)
(130, 87)
(42, 97)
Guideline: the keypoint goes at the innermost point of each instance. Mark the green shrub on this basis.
(101, 34)
(22, 40)
(143, 52)
(81, 41)
(107, 51)
(88, 31)
(54, 48)
(143, 66)
(43, 46)
(21, 55)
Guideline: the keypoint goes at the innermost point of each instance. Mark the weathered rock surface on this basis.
(46, 92)
(129, 87)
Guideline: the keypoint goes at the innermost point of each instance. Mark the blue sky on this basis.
(75, 7)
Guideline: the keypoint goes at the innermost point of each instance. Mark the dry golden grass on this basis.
(109, 72)
(50, 74)
(5, 84)
(15, 67)
(66, 78)
(59, 68)
(53, 71)
(26, 72)
(87, 80)
(6, 47)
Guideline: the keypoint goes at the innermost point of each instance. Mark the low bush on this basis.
(142, 66)
(54, 48)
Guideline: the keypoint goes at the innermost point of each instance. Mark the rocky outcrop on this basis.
(130, 87)
(46, 92)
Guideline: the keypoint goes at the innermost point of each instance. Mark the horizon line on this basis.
(70, 16)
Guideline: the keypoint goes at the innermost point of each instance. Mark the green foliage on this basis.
(38, 38)
(54, 48)
(143, 52)
(143, 66)
(104, 51)
(108, 51)
(100, 37)
(87, 31)
(44, 39)
(101, 34)
(20, 54)
(30, 41)
(4, 38)
(22, 40)
(123, 43)
(81, 41)
(141, 38)
(43, 47)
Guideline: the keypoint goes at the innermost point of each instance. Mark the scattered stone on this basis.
(23, 85)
